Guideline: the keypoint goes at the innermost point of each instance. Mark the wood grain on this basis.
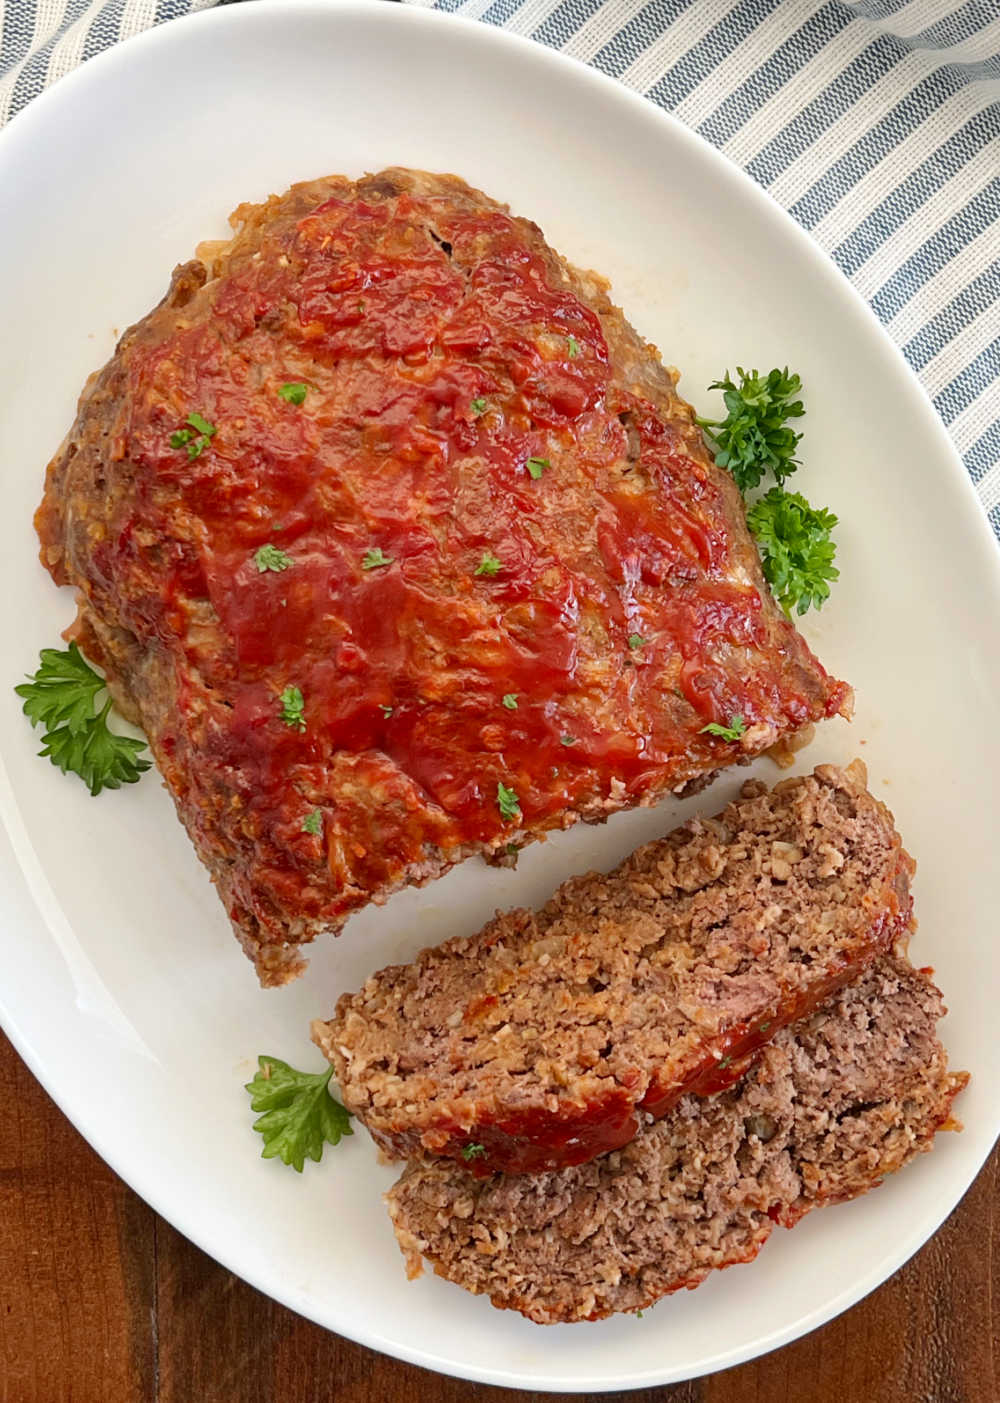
(102, 1302)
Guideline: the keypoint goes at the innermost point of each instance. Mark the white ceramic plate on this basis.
(122, 985)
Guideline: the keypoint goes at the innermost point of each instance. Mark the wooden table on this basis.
(102, 1302)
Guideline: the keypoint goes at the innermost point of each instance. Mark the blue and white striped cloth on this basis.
(875, 123)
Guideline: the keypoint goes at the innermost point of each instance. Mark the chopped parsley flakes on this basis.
(510, 701)
(201, 424)
(635, 640)
(293, 708)
(478, 406)
(507, 803)
(489, 565)
(294, 393)
(733, 731)
(574, 347)
(473, 1152)
(196, 438)
(313, 823)
(271, 558)
(375, 559)
(536, 466)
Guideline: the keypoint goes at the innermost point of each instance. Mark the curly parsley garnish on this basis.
(293, 708)
(271, 558)
(536, 466)
(793, 538)
(733, 731)
(196, 438)
(294, 393)
(300, 1115)
(795, 548)
(472, 1151)
(313, 823)
(489, 565)
(62, 698)
(754, 438)
(508, 803)
(375, 559)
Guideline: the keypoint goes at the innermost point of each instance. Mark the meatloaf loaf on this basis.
(538, 1042)
(399, 544)
(830, 1108)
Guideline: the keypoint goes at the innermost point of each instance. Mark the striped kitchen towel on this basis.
(875, 123)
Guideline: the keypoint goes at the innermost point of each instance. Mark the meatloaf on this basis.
(399, 544)
(538, 1042)
(831, 1107)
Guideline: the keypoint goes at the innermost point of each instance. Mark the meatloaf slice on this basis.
(536, 1043)
(400, 545)
(831, 1106)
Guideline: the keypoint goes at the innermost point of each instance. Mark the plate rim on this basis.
(974, 527)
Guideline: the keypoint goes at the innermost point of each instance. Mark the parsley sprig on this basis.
(754, 437)
(793, 538)
(795, 548)
(300, 1115)
(62, 697)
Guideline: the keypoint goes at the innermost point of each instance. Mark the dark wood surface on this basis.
(102, 1302)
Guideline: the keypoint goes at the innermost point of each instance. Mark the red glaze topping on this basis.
(440, 355)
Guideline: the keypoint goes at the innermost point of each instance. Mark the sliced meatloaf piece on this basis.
(831, 1106)
(537, 1043)
(400, 545)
